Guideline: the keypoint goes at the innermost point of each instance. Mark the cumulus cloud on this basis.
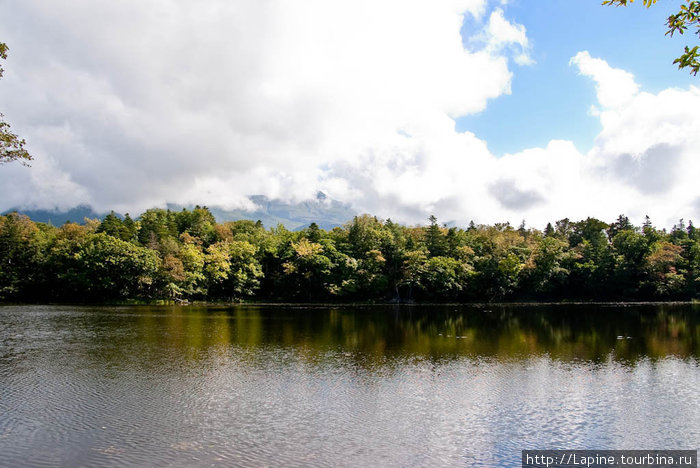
(512, 197)
(128, 105)
(647, 150)
(615, 87)
(138, 104)
(502, 34)
(644, 161)
(653, 171)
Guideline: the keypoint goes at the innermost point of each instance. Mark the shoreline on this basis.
(477, 305)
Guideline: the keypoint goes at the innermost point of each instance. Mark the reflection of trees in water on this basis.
(576, 332)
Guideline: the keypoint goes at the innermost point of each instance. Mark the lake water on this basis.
(342, 386)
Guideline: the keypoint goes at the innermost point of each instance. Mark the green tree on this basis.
(544, 271)
(115, 227)
(394, 248)
(307, 270)
(414, 268)
(593, 260)
(549, 230)
(693, 261)
(197, 223)
(231, 269)
(365, 233)
(688, 17)
(193, 260)
(313, 233)
(131, 229)
(650, 232)
(245, 272)
(500, 253)
(369, 274)
(631, 249)
(444, 278)
(157, 228)
(19, 254)
(99, 267)
(11, 146)
(435, 240)
(621, 224)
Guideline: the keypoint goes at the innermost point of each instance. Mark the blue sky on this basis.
(484, 110)
(631, 38)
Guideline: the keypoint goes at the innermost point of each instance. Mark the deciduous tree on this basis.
(11, 146)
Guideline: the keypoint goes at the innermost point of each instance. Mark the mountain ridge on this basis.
(322, 210)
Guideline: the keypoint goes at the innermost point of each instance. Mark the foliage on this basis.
(20, 254)
(232, 270)
(187, 255)
(99, 266)
(11, 146)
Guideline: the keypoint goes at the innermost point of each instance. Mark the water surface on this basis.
(342, 386)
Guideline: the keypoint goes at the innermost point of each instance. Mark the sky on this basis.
(484, 110)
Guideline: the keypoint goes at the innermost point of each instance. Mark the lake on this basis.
(342, 386)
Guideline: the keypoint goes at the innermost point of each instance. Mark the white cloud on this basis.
(650, 145)
(502, 34)
(614, 87)
(644, 161)
(128, 105)
(163, 101)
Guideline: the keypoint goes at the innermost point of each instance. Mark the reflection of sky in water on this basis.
(252, 386)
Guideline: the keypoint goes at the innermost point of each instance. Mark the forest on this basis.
(187, 256)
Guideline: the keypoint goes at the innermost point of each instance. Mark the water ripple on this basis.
(126, 387)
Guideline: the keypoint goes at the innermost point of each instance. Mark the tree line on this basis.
(187, 255)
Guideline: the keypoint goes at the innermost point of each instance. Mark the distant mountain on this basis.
(59, 218)
(325, 212)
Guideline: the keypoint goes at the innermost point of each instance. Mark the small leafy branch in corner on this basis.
(687, 17)
(11, 146)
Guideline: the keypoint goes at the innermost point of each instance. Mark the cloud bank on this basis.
(129, 105)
